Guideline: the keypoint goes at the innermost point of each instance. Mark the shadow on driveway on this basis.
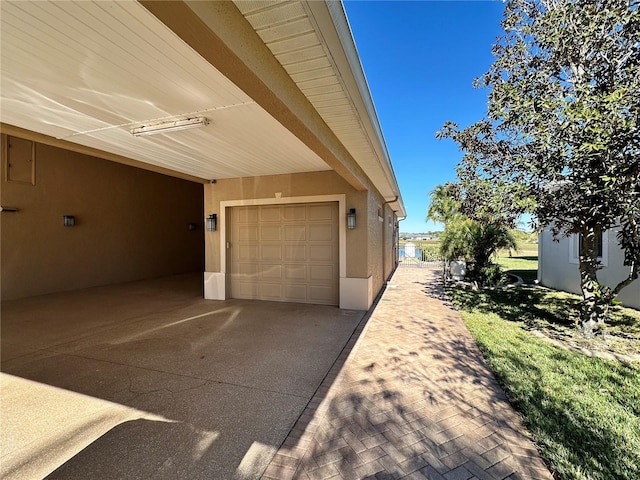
(148, 380)
(413, 399)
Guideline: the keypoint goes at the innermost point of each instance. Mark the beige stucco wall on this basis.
(390, 244)
(221, 34)
(292, 185)
(369, 247)
(380, 230)
(130, 224)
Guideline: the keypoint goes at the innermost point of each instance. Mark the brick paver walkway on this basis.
(410, 397)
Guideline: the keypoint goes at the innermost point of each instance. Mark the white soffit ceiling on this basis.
(313, 43)
(88, 72)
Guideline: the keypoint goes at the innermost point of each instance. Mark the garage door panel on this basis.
(271, 291)
(321, 253)
(321, 293)
(295, 293)
(246, 214)
(321, 233)
(295, 233)
(321, 212)
(246, 289)
(270, 233)
(322, 273)
(295, 272)
(285, 253)
(248, 270)
(248, 233)
(295, 253)
(294, 213)
(270, 214)
(247, 252)
(272, 272)
(270, 252)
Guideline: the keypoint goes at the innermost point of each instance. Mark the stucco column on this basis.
(214, 279)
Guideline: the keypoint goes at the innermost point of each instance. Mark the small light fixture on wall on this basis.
(351, 219)
(212, 222)
(68, 220)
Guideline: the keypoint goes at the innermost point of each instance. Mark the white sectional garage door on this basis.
(286, 253)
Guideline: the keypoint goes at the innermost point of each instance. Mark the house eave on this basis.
(114, 66)
(340, 92)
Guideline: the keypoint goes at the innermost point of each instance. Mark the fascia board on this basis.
(333, 28)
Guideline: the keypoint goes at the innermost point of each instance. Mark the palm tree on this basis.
(444, 206)
(467, 239)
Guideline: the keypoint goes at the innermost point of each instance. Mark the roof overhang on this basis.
(87, 73)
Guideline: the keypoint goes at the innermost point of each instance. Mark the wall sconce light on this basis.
(212, 222)
(68, 220)
(351, 219)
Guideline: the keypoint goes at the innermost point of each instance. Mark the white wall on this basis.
(555, 269)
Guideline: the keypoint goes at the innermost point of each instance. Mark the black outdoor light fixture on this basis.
(68, 220)
(351, 219)
(212, 222)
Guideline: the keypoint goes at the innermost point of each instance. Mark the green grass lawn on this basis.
(528, 249)
(556, 313)
(583, 411)
(526, 267)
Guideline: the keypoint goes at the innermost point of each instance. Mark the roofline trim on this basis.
(333, 27)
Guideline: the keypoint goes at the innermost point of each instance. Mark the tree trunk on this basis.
(596, 297)
(594, 308)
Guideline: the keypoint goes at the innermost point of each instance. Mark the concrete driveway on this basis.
(148, 380)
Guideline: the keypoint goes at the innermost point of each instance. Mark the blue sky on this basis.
(420, 59)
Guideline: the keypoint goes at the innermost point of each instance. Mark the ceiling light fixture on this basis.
(170, 126)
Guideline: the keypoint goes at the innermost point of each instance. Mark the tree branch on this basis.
(633, 275)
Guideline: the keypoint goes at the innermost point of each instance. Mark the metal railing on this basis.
(419, 258)
(417, 263)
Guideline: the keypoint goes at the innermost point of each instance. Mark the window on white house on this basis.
(575, 248)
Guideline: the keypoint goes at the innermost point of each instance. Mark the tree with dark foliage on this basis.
(562, 134)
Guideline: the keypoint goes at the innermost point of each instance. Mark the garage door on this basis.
(286, 253)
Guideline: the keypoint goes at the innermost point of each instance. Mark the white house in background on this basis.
(558, 265)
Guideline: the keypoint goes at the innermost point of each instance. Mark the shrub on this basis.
(488, 275)
(430, 253)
